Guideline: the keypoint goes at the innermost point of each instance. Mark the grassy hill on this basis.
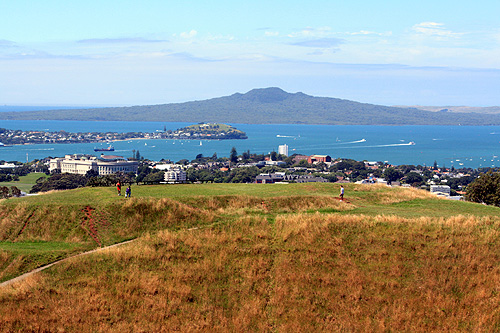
(267, 106)
(248, 257)
(25, 183)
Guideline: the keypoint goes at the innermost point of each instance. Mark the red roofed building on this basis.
(318, 158)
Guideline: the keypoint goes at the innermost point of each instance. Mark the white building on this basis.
(441, 190)
(175, 176)
(104, 165)
(283, 150)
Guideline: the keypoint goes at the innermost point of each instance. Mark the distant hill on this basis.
(266, 106)
(458, 109)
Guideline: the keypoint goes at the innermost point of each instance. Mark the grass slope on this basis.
(25, 183)
(241, 257)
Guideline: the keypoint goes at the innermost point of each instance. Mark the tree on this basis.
(233, 156)
(414, 179)
(62, 181)
(391, 174)
(243, 175)
(246, 155)
(154, 177)
(15, 192)
(92, 173)
(485, 189)
(4, 192)
(274, 156)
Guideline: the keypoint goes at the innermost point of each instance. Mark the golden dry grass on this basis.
(245, 263)
(305, 272)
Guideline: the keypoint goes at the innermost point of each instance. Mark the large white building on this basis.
(104, 164)
(175, 176)
(283, 150)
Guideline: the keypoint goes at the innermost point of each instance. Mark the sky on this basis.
(117, 53)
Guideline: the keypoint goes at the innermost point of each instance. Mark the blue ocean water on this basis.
(458, 146)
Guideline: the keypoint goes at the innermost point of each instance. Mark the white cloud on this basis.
(271, 33)
(189, 34)
(366, 33)
(312, 33)
(323, 43)
(6, 43)
(220, 37)
(434, 29)
(119, 40)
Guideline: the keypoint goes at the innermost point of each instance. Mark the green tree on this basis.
(15, 192)
(274, 156)
(485, 189)
(92, 173)
(61, 181)
(243, 175)
(154, 177)
(414, 179)
(391, 174)
(233, 155)
(4, 192)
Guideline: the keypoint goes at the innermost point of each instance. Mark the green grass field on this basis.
(25, 183)
(251, 257)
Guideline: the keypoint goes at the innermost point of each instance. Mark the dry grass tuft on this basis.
(403, 194)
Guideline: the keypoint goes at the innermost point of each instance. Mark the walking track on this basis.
(25, 275)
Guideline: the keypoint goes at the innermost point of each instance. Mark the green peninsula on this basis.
(203, 131)
(208, 131)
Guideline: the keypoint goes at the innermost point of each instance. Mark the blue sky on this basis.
(390, 52)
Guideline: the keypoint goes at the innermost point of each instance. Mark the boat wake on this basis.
(350, 142)
(284, 136)
(40, 149)
(397, 144)
(358, 141)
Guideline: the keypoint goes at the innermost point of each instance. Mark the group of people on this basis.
(128, 191)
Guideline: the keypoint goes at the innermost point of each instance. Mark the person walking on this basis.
(119, 188)
(341, 193)
(128, 192)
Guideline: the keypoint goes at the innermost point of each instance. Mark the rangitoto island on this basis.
(268, 106)
(201, 131)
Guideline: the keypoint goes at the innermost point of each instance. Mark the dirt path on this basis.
(25, 275)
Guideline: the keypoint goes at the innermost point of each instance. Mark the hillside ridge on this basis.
(266, 106)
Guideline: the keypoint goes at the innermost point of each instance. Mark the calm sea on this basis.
(458, 146)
